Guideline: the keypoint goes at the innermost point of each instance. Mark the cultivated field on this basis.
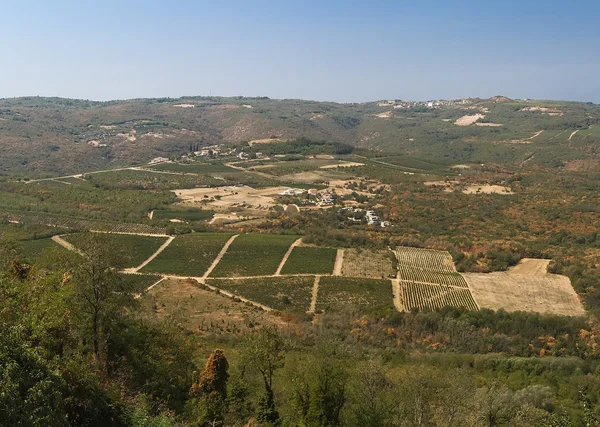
(310, 260)
(410, 274)
(545, 293)
(31, 250)
(253, 255)
(281, 293)
(360, 294)
(132, 249)
(188, 255)
(432, 296)
(368, 263)
(426, 259)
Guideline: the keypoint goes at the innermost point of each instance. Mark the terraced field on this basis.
(133, 250)
(253, 255)
(281, 293)
(188, 255)
(410, 274)
(368, 263)
(426, 259)
(433, 297)
(310, 260)
(360, 294)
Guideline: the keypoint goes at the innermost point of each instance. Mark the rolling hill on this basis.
(54, 135)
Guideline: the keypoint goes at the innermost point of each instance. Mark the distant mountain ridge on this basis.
(56, 135)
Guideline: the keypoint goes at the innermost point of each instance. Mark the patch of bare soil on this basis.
(489, 124)
(487, 189)
(200, 311)
(224, 198)
(468, 119)
(544, 110)
(531, 266)
(342, 165)
(385, 115)
(184, 105)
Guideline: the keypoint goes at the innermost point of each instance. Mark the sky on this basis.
(327, 50)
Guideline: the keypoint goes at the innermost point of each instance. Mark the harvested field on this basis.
(280, 293)
(426, 259)
(188, 255)
(223, 198)
(433, 297)
(368, 263)
(310, 260)
(253, 255)
(468, 119)
(356, 294)
(550, 294)
(198, 310)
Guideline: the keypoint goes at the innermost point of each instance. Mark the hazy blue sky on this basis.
(323, 50)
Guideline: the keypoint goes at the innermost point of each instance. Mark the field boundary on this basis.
(287, 255)
(154, 255)
(339, 261)
(65, 244)
(219, 256)
(397, 291)
(315, 292)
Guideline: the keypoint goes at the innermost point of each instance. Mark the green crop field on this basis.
(281, 293)
(188, 255)
(310, 260)
(353, 293)
(133, 250)
(184, 215)
(253, 255)
(138, 283)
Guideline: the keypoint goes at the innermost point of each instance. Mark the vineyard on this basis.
(426, 259)
(132, 250)
(409, 274)
(82, 224)
(367, 263)
(253, 255)
(281, 293)
(433, 297)
(356, 294)
(188, 255)
(310, 260)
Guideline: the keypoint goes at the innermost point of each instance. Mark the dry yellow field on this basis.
(541, 293)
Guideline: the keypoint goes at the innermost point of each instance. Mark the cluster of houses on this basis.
(313, 194)
(358, 215)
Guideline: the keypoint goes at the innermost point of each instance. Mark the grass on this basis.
(133, 250)
(253, 255)
(184, 215)
(370, 295)
(280, 293)
(188, 255)
(310, 260)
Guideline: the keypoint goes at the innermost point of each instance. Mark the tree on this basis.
(210, 392)
(370, 389)
(99, 293)
(264, 351)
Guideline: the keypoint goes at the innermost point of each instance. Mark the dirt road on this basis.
(287, 255)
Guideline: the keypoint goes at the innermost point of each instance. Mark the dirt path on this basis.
(339, 260)
(218, 258)
(573, 134)
(397, 295)
(287, 255)
(129, 233)
(138, 296)
(154, 255)
(315, 292)
(65, 244)
(535, 135)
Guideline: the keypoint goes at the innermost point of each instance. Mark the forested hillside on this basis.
(55, 135)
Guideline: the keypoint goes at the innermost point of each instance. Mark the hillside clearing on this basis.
(468, 119)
